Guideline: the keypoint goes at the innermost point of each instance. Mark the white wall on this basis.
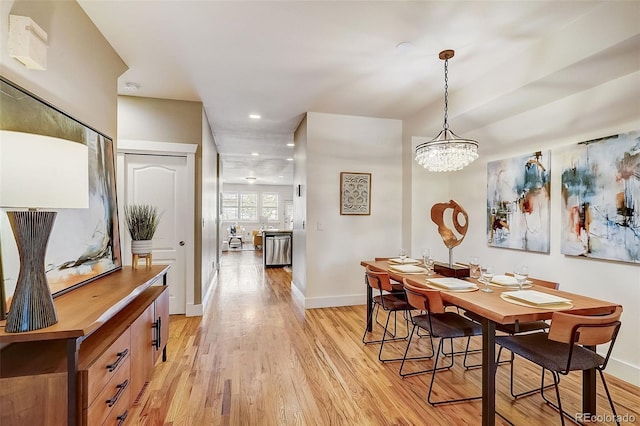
(80, 79)
(612, 281)
(82, 70)
(426, 190)
(166, 120)
(210, 237)
(336, 244)
(299, 255)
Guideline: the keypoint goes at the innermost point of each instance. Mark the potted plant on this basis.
(142, 222)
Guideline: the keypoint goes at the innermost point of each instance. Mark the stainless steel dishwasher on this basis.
(277, 248)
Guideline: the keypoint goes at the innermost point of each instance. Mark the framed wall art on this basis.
(84, 243)
(355, 193)
(601, 199)
(518, 202)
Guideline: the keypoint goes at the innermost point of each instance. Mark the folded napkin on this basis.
(407, 269)
(504, 280)
(451, 283)
(535, 297)
(407, 261)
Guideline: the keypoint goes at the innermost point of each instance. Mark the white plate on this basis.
(506, 280)
(399, 261)
(451, 283)
(407, 269)
(536, 297)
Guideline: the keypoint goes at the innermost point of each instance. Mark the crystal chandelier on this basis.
(446, 152)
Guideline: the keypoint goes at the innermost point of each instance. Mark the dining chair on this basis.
(440, 324)
(391, 303)
(395, 284)
(519, 328)
(569, 345)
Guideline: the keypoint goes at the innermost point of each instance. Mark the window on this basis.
(249, 207)
(270, 206)
(288, 214)
(240, 206)
(229, 206)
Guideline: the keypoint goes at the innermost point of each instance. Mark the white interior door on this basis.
(162, 181)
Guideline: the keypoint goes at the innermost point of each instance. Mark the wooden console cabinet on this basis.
(89, 367)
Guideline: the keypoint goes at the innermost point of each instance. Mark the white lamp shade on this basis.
(43, 172)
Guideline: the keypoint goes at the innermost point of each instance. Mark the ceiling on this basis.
(281, 59)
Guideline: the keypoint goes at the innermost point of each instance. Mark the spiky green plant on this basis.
(142, 221)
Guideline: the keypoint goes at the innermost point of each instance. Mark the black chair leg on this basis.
(511, 382)
(467, 352)
(384, 334)
(606, 389)
(557, 407)
(406, 351)
(563, 414)
(498, 362)
(433, 377)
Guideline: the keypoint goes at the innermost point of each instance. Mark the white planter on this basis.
(141, 246)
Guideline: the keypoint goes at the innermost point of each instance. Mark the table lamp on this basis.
(38, 172)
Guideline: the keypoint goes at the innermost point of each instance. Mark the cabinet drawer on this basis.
(121, 410)
(116, 392)
(106, 366)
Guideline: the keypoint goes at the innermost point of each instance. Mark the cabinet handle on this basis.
(159, 333)
(121, 356)
(122, 417)
(156, 327)
(121, 387)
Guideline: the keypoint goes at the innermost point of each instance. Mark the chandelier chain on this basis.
(446, 152)
(446, 93)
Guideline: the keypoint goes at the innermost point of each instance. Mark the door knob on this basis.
(181, 243)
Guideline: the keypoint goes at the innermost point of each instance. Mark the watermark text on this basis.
(605, 418)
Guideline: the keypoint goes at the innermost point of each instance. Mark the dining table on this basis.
(494, 309)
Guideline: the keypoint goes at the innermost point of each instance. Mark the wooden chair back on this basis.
(587, 330)
(378, 280)
(424, 298)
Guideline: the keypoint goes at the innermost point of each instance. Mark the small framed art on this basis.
(355, 193)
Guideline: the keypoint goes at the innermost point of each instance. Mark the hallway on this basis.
(257, 359)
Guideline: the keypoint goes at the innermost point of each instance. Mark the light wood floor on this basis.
(256, 359)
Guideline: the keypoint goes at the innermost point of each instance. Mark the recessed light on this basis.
(404, 47)
(281, 177)
(289, 159)
(255, 116)
(255, 154)
(290, 144)
(131, 87)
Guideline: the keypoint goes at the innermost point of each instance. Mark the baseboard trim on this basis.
(209, 292)
(297, 296)
(197, 310)
(194, 310)
(335, 301)
(624, 371)
(303, 302)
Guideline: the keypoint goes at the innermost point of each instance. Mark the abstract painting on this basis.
(601, 199)
(518, 203)
(84, 243)
(355, 193)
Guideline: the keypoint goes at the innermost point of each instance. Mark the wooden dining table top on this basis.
(493, 307)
